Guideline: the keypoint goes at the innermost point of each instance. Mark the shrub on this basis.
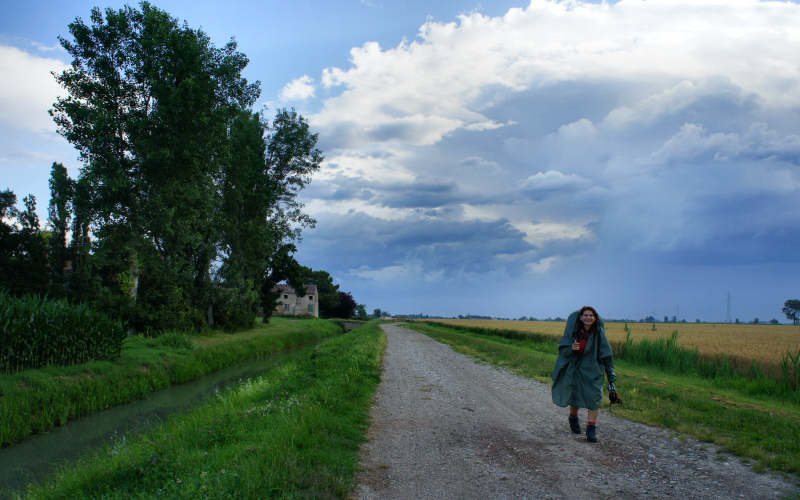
(36, 331)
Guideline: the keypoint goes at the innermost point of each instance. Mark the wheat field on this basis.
(763, 343)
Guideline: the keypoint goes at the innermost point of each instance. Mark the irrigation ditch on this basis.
(34, 458)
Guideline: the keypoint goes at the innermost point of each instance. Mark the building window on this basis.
(310, 297)
(285, 296)
(286, 308)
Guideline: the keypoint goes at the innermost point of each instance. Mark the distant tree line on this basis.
(185, 210)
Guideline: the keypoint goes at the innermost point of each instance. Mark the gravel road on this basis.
(444, 426)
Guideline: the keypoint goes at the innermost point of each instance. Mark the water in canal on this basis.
(32, 459)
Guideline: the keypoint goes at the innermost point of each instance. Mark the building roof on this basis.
(286, 288)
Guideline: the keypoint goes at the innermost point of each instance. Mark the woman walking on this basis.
(583, 354)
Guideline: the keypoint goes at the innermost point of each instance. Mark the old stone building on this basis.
(289, 304)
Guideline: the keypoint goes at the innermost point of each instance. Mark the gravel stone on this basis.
(444, 426)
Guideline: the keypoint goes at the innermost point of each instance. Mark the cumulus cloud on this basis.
(647, 131)
(543, 184)
(26, 96)
(298, 89)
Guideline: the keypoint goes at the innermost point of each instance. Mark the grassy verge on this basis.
(763, 429)
(33, 401)
(294, 432)
(737, 372)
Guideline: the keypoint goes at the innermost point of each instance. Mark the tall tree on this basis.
(9, 239)
(31, 255)
(347, 306)
(148, 106)
(267, 167)
(59, 216)
(791, 308)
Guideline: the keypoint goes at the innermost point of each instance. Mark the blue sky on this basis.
(506, 158)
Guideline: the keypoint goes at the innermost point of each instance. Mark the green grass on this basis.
(294, 432)
(33, 401)
(758, 426)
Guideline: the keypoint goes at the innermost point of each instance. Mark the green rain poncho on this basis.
(578, 379)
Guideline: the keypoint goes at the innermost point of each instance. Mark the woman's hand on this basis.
(576, 346)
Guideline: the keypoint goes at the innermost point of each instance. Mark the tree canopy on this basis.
(185, 208)
(791, 308)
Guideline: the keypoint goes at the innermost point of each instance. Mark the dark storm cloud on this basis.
(361, 241)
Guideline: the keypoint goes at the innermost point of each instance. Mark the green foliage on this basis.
(293, 432)
(790, 370)
(37, 332)
(178, 340)
(791, 308)
(178, 174)
(347, 306)
(34, 401)
(23, 266)
(235, 308)
(60, 214)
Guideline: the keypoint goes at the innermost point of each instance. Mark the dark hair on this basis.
(579, 324)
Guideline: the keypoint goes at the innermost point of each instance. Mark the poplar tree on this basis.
(59, 217)
(148, 106)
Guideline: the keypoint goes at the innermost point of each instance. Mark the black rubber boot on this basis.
(591, 433)
(574, 424)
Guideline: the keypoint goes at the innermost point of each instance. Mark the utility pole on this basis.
(728, 308)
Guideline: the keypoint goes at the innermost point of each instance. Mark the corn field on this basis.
(36, 332)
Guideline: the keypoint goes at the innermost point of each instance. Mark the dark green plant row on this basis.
(667, 355)
(36, 331)
(34, 401)
(293, 432)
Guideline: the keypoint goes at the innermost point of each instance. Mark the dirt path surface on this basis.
(444, 426)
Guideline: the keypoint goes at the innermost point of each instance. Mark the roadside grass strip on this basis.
(763, 428)
(293, 432)
(33, 401)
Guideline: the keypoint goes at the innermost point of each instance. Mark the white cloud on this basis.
(384, 168)
(27, 89)
(437, 80)
(693, 140)
(652, 107)
(539, 233)
(543, 265)
(48, 48)
(298, 89)
(553, 179)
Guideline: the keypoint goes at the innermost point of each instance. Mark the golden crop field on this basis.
(764, 343)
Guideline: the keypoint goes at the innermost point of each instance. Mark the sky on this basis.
(505, 158)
